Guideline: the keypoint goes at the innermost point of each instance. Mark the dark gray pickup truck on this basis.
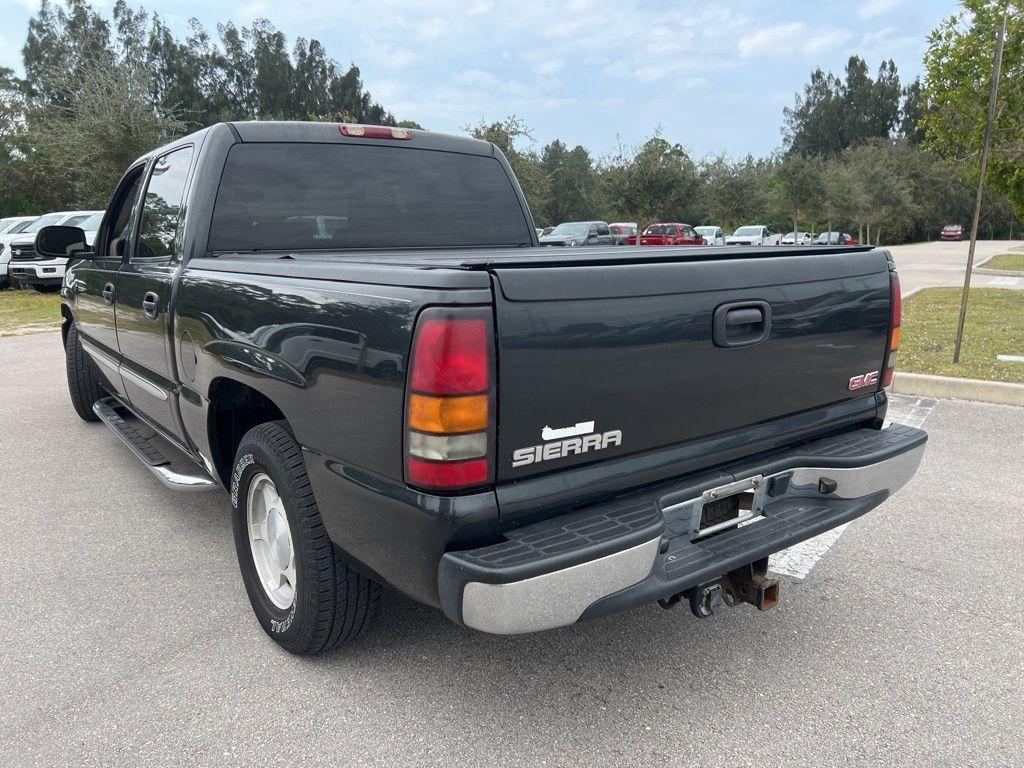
(353, 330)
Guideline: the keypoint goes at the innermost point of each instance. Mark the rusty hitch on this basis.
(750, 584)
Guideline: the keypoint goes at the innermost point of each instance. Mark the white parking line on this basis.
(798, 560)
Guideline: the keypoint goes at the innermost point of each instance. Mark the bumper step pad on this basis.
(562, 542)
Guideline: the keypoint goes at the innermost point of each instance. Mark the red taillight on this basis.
(375, 131)
(449, 417)
(451, 356)
(895, 321)
(439, 475)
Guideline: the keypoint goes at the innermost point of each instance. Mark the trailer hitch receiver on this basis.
(750, 584)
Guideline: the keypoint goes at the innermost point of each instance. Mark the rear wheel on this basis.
(83, 379)
(304, 594)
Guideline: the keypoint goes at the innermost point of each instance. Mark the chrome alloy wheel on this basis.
(270, 541)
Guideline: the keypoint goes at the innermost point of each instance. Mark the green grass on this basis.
(1011, 261)
(995, 326)
(27, 311)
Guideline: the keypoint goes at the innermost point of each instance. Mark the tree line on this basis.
(97, 92)
(860, 153)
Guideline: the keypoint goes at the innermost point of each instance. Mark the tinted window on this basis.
(602, 229)
(330, 196)
(20, 227)
(162, 205)
(74, 221)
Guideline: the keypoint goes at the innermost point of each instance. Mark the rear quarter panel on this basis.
(329, 354)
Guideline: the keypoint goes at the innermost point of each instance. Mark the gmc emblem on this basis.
(864, 380)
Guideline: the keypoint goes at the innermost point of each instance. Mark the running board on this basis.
(149, 454)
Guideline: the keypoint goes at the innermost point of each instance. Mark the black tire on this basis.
(83, 380)
(333, 602)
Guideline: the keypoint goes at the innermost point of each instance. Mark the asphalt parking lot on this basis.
(128, 639)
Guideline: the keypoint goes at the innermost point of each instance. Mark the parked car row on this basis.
(582, 233)
(20, 264)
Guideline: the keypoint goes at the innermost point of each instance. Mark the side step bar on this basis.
(148, 453)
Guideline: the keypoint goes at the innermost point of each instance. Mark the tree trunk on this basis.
(878, 236)
(794, 228)
(860, 233)
(828, 231)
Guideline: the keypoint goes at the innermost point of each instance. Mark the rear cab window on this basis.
(296, 197)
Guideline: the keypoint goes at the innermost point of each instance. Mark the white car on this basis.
(802, 238)
(711, 235)
(753, 234)
(10, 227)
(44, 274)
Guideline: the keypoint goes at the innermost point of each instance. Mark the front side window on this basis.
(162, 205)
(294, 196)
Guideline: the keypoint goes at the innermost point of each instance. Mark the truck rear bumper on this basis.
(647, 547)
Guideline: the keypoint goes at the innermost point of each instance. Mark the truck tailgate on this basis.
(602, 360)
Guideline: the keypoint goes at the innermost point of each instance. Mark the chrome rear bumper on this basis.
(531, 582)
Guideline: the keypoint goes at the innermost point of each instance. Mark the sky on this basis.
(712, 76)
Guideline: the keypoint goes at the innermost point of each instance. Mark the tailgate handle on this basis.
(742, 323)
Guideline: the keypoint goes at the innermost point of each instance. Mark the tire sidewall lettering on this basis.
(243, 464)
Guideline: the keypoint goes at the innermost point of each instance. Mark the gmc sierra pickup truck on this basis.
(353, 331)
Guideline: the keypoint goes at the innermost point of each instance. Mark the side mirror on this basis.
(59, 242)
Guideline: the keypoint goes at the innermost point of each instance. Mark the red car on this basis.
(952, 232)
(670, 234)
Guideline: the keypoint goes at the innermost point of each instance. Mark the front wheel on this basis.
(304, 594)
(83, 379)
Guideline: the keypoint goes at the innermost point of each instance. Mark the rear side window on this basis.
(282, 197)
(161, 206)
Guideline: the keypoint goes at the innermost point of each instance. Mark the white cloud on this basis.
(887, 41)
(430, 29)
(784, 40)
(825, 38)
(770, 40)
(386, 55)
(477, 77)
(873, 8)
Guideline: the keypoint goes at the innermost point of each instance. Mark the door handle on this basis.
(742, 323)
(151, 305)
(108, 293)
(747, 316)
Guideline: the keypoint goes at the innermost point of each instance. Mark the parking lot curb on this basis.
(923, 385)
(1008, 272)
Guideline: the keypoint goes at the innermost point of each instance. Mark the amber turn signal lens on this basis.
(447, 415)
(895, 343)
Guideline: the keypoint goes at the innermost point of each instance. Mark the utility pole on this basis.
(993, 94)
